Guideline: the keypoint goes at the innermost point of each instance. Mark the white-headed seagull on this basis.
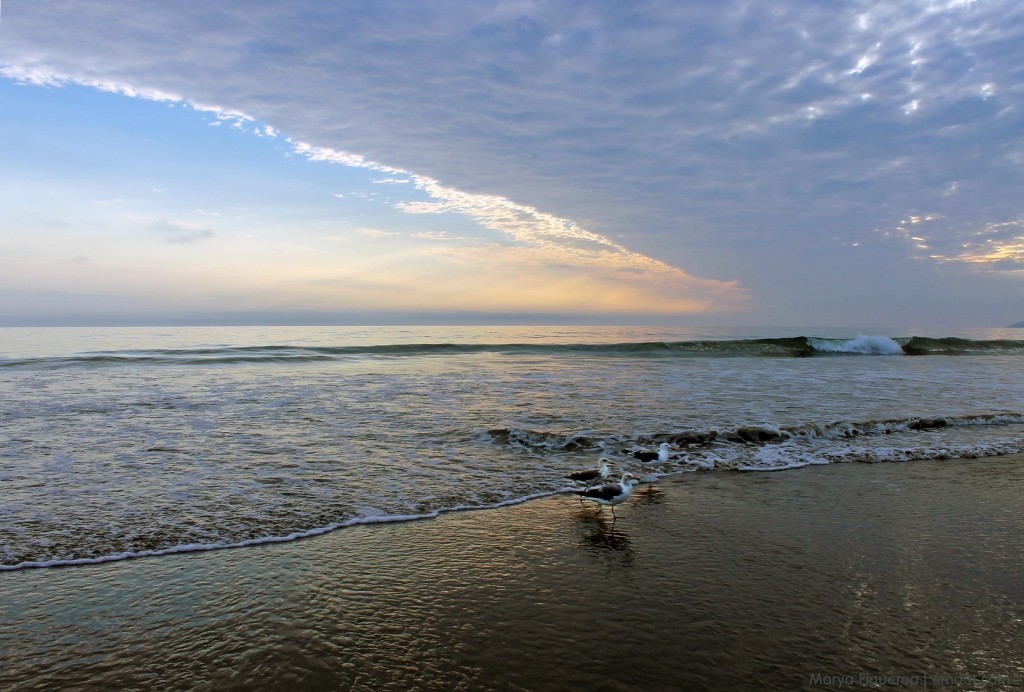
(660, 457)
(601, 472)
(610, 494)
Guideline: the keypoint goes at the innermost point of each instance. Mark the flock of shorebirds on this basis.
(611, 493)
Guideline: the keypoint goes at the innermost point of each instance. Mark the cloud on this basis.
(554, 241)
(436, 235)
(180, 232)
(377, 232)
(996, 247)
(704, 145)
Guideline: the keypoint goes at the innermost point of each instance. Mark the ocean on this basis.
(126, 442)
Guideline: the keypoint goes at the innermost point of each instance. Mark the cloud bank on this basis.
(705, 146)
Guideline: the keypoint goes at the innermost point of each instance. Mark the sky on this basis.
(710, 162)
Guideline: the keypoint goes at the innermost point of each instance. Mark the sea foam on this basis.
(862, 343)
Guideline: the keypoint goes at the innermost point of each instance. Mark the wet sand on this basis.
(885, 576)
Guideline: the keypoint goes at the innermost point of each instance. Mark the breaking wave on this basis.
(744, 448)
(789, 347)
(766, 447)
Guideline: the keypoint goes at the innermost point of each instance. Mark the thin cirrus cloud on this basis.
(765, 161)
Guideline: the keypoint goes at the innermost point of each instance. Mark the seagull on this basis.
(610, 494)
(601, 472)
(661, 456)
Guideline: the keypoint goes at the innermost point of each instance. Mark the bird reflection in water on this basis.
(600, 535)
(648, 495)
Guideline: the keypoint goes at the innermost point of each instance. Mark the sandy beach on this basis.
(886, 576)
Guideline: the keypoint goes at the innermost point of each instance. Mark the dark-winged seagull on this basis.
(661, 456)
(601, 472)
(610, 494)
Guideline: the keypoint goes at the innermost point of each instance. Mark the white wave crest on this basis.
(862, 343)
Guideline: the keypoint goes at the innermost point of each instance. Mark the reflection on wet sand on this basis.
(721, 581)
(649, 494)
(600, 533)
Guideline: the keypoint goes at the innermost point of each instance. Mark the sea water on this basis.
(121, 442)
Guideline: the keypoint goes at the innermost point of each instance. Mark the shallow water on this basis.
(705, 581)
(123, 442)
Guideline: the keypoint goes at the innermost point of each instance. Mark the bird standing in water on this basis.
(660, 457)
(601, 472)
(610, 494)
